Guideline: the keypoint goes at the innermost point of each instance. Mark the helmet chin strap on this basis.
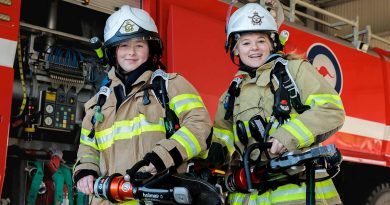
(251, 71)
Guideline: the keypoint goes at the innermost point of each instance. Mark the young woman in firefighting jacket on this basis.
(252, 39)
(132, 127)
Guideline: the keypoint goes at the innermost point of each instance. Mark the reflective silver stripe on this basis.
(301, 133)
(186, 101)
(86, 138)
(126, 130)
(188, 140)
(302, 189)
(237, 198)
(224, 137)
(260, 199)
(103, 139)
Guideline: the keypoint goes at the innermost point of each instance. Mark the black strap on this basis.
(233, 92)
(102, 98)
(100, 102)
(286, 95)
(171, 121)
(282, 105)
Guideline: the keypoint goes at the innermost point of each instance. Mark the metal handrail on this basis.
(354, 24)
(343, 21)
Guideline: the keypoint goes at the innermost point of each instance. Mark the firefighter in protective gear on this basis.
(252, 39)
(132, 127)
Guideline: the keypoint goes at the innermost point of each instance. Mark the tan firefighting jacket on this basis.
(127, 134)
(303, 131)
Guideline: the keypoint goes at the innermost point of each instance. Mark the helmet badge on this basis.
(256, 18)
(128, 26)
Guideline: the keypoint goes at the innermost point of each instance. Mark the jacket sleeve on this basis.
(88, 155)
(193, 137)
(223, 129)
(322, 120)
(222, 144)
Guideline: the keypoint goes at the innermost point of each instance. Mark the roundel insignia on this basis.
(256, 18)
(326, 63)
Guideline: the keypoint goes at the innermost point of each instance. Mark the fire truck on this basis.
(48, 71)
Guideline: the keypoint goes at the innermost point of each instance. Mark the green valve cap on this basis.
(99, 117)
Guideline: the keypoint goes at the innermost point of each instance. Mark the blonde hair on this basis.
(293, 55)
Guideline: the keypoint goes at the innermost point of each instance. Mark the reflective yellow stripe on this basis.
(320, 99)
(188, 141)
(105, 138)
(236, 198)
(291, 192)
(131, 202)
(225, 136)
(185, 102)
(127, 129)
(324, 190)
(299, 131)
(203, 155)
(85, 140)
(263, 199)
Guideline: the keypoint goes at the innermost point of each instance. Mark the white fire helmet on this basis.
(128, 23)
(251, 17)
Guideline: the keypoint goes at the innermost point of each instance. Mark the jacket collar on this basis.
(145, 77)
(262, 74)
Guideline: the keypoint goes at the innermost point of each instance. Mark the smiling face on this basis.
(132, 53)
(253, 49)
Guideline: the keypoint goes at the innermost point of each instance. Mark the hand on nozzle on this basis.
(85, 184)
(148, 172)
(277, 147)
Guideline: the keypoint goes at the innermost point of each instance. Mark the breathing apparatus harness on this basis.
(159, 84)
(286, 97)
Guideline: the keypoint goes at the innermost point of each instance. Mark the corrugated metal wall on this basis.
(371, 12)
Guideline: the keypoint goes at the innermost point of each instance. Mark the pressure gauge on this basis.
(49, 108)
(48, 121)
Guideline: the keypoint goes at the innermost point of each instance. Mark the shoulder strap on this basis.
(233, 92)
(287, 94)
(159, 81)
(103, 94)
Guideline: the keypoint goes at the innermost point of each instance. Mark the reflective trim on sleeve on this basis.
(190, 143)
(185, 102)
(320, 99)
(85, 140)
(225, 136)
(127, 129)
(304, 136)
